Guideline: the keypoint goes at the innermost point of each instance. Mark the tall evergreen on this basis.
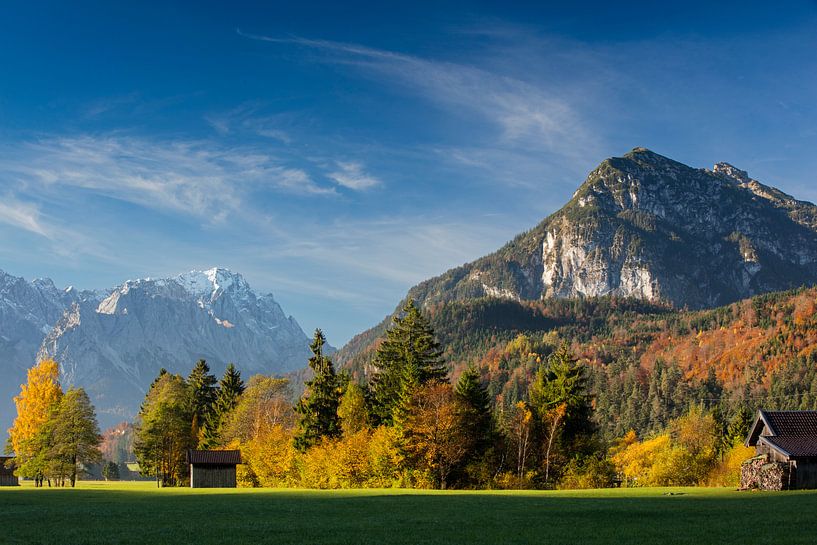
(204, 394)
(230, 389)
(561, 382)
(409, 357)
(475, 405)
(318, 407)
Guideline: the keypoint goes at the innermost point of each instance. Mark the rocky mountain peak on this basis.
(112, 342)
(646, 226)
(732, 172)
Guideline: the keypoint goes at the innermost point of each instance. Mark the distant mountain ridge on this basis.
(113, 342)
(644, 226)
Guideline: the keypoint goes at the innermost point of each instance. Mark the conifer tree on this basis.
(475, 404)
(230, 389)
(204, 394)
(318, 407)
(409, 357)
(562, 407)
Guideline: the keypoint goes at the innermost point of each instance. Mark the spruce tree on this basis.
(204, 393)
(475, 405)
(562, 407)
(230, 389)
(318, 407)
(409, 357)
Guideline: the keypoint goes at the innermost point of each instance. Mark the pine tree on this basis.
(475, 405)
(562, 407)
(318, 407)
(409, 357)
(230, 389)
(204, 394)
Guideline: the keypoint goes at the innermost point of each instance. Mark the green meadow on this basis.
(140, 513)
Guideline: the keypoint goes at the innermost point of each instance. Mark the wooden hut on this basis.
(7, 476)
(213, 468)
(786, 447)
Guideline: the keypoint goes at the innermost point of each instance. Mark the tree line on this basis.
(406, 426)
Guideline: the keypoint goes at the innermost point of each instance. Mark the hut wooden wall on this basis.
(9, 480)
(806, 474)
(212, 476)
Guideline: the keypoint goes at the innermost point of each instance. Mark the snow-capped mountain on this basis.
(114, 342)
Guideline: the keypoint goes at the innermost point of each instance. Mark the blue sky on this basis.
(338, 153)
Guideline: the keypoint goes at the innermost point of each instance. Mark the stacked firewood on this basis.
(759, 472)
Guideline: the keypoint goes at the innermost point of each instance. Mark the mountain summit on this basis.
(114, 342)
(648, 227)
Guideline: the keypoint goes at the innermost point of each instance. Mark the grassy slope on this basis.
(138, 513)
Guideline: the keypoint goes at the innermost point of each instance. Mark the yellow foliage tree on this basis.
(37, 398)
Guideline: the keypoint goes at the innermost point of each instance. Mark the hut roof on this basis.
(214, 457)
(793, 433)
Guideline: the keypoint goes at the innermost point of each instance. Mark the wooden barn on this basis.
(786, 447)
(7, 476)
(213, 468)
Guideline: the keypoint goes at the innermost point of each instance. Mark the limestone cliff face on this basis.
(648, 227)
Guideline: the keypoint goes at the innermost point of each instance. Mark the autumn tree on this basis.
(409, 357)
(434, 436)
(318, 407)
(163, 430)
(261, 425)
(518, 426)
(37, 399)
(352, 409)
(263, 405)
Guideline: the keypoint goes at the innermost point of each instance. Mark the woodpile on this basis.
(760, 473)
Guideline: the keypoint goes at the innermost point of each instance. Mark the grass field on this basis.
(139, 513)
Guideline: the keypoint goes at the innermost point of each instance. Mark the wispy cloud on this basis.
(526, 114)
(352, 176)
(195, 178)
(23, 215)
(248, 119)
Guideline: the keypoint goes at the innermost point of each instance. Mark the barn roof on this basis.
(214, 457)
(793, 433)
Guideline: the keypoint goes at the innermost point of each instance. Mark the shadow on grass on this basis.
(380, 516)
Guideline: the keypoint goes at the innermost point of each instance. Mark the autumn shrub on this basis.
(727, 471)
(683, 455)
(510, 480)
(588, 472)
(269, 459)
